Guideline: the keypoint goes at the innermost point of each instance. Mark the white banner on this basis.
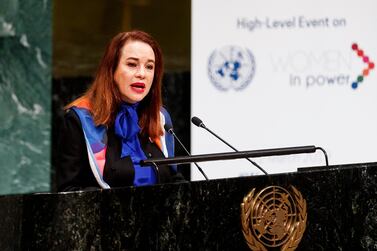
(270, 74)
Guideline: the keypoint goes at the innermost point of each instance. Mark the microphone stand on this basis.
(252, 162)
(189, 154)
(229, 155)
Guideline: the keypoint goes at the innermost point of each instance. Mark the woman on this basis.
(118, 121)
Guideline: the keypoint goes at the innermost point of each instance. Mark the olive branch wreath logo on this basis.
(295, 230)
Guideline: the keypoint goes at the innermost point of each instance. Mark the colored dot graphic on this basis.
(365, 72)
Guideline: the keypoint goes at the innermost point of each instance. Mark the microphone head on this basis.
(197, 121)
(168, 128)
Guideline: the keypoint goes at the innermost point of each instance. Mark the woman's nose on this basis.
(140, 72)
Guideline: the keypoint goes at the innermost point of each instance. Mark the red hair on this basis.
(104, 97)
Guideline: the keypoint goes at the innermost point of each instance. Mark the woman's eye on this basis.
(149, 67)
(131, 64)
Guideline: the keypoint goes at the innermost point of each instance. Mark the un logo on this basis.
(231, 67)
(275, 217)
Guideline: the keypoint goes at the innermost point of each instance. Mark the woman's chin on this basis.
(133, 99)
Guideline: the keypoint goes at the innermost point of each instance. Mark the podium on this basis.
(205, 215)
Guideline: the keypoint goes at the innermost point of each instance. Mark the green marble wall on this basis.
(25, 95)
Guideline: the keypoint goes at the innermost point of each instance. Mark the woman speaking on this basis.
(118, 122)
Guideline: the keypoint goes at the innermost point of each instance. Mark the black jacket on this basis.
(74, 172)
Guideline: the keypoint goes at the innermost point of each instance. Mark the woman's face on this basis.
(135, 71)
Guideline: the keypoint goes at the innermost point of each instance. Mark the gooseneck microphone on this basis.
(324, 153)
(198, 122)
(169, 129)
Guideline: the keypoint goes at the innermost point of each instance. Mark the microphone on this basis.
(324, 153)
(169, 129)
(198, 122)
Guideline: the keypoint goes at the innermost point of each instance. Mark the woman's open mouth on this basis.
(138, 87)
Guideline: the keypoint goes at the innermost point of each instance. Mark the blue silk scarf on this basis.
(96, 143)
(127, 128)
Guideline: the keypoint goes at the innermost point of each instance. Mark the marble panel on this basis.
(25, 95)
(203, 215)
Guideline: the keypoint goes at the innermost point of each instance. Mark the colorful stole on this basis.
(96, 140)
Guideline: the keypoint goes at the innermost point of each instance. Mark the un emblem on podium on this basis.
(273, 218)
